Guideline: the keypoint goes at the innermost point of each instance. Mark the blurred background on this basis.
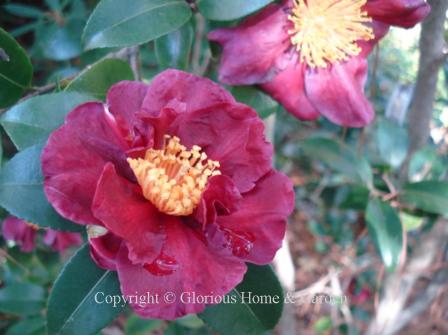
(351, 265)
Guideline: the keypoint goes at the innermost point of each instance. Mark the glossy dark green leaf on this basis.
(339, 157)
(29, 326)
(117, 23)
(22, 194)
(173, 49)
(76, 304)
(138, 326)
(430, 196)
(98, 78)
(256, 99)
(246, 315)
(15, 70)
(60, 43)
(30, 122)
(24, 10)
(392, 142)
(22, 298)
(386, 231)
(219, 10)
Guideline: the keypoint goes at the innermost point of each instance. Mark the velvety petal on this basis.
(287, 87)
(104, 250)
(338, 92)
(125, 100)
(121, 207)
(182, 88)
(379, 31)
(232, 134)
(255, 231)
(74, 157)
(402, 13)
(186, 266)
(19, 231)
(251, 50)
(59, 241)
(221, 197)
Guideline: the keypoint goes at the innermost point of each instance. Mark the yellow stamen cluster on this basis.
(326, 31)
(174, 178)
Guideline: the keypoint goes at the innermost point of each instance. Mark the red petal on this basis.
(338, 92)
(182, 88)
(59, 241)
(125, 99)
(402, 13)
(104, 250)
(221, 197)
(287, 87)
(17, 230)
(256, 230)
(74, 157)
(186, 266)
(232, 134)
(119, 205)
(251, 50)
(379, 31)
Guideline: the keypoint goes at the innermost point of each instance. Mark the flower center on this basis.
(173, 178)
(326, 31)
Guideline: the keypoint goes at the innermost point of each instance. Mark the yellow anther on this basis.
(326, 31)
(174, 178)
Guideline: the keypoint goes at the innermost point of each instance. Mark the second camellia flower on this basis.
(175, 184)
(311, 55)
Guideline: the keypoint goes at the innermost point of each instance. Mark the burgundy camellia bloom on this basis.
(60, 241)
(175, 184)
(21, 232)
(310, 55)
(24, 234)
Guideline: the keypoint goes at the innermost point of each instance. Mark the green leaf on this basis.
(22, 194)
(244, 315)
(430, 196)
(31, 326)
(24, 10)
(15, 70)
(411, 222)
(72, 306)
(230, 9)
(22, 299)
(340, 158)
(117, 23)
(173, 49)
(31, 122)
(138, 326)
(60, 43)
(98, 78)
(392, 142)
(386, 231)
(249, 95)
(426, 164)
(322, 325)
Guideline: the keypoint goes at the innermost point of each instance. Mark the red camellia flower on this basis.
(24, 234)
(174, 181)
(21, 232)
(310, 55)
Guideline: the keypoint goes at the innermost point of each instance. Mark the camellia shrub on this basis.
(155, 154)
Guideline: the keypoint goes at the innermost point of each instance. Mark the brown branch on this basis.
(432, 54)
